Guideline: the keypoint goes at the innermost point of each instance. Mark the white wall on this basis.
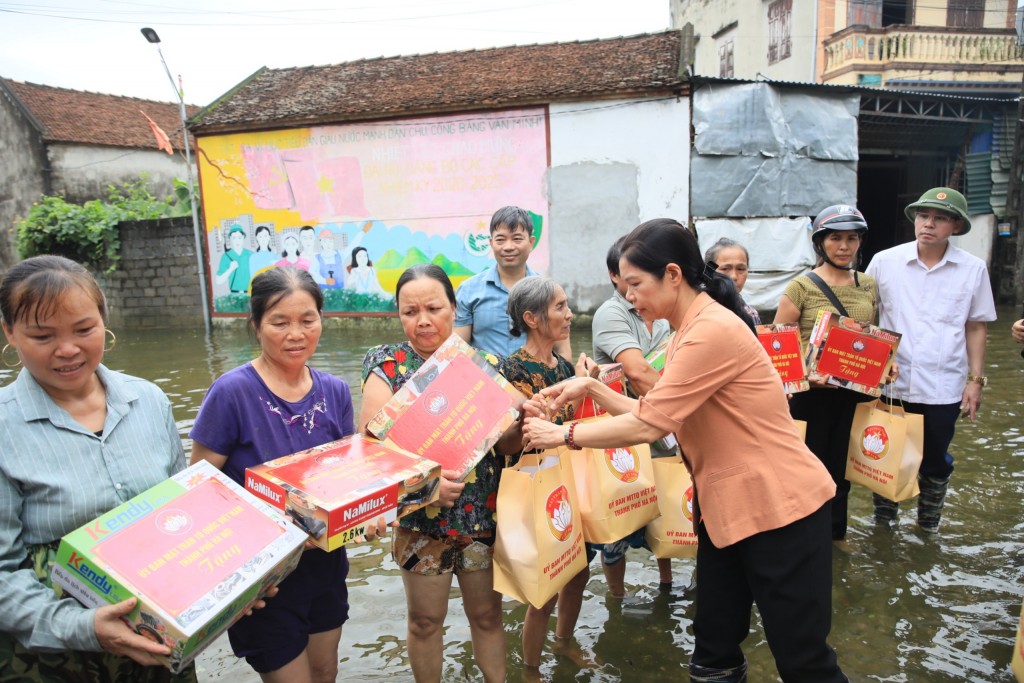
(613, 165)
(749, 36)
(83, 172)
(979, 240)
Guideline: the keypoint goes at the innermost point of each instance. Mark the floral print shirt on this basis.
(529, 375)
(474, 512)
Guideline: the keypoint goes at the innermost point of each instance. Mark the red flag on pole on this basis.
(162, 141)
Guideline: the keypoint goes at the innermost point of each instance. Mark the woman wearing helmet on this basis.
(837, 233)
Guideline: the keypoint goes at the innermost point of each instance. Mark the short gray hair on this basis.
(531, 294)
(724, 243)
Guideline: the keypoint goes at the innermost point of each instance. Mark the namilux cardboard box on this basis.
(332, 490)
(196, 550)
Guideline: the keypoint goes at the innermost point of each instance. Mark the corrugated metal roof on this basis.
(923, 92)
(978, 168)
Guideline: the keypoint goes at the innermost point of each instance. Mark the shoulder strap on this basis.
(827, 291)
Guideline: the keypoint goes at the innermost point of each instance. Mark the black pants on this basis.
(829, 417)
(788, 573)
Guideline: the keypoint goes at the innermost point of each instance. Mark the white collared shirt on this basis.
(931, 308)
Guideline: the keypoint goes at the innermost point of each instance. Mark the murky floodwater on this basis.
(907, 608)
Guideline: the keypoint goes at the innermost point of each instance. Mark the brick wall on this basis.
(156, 283)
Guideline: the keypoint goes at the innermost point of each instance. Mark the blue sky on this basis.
(214, 44)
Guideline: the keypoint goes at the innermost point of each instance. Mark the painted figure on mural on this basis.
(264, 257)
(330, 263)
(307, 245)
(291, 253)
(361, 276)
(234, 263)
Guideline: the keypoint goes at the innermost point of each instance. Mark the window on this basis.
(965, 13)
(896, 12)
(780, 43)
(864, 13)
(726, 66)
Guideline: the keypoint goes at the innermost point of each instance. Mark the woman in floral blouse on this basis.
(455, 535)
(538, 308)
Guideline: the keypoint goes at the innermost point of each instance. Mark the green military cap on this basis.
(945, 199)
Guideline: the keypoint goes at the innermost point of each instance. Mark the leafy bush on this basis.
(87, 232)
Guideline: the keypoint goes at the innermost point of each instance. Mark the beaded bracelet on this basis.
(570, 441)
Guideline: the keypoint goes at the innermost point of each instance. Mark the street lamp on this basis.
(153, 38)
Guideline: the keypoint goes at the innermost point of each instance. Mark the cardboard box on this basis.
(782, 343)
(452, 410)
(196, 550)
(657, 356)
(611, 376)
(851, 354)
(333, 489)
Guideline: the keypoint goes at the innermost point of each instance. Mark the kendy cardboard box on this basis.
(196, 550)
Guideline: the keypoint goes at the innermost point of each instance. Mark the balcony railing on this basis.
(909, 47)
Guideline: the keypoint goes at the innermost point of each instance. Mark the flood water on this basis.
(907, 608)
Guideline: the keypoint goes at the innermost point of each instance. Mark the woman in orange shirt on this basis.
(761, 498)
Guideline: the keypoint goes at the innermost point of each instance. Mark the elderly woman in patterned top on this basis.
(77, 440)
(456, 534)
(539, 309)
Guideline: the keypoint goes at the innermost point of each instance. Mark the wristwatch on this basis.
(980, 379)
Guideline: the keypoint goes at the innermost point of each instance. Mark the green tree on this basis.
(88, 232)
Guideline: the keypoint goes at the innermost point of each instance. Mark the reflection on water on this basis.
(907, 608)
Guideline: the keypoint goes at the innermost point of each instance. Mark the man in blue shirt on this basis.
(481, 317)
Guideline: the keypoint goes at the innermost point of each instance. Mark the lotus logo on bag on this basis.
(874, 442)
(688, 503)
(436, 403)
(559, 514)
(622, 463)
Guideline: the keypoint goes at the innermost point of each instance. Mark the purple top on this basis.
(242, 419)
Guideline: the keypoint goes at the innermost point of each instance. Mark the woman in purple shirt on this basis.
(275, 406)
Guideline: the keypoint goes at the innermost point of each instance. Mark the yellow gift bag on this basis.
(1017, 664)
(886, 448)
(539, 542)
(671, 534)
(616, 491)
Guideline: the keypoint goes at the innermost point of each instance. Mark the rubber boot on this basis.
(707, 674)
(930, 502)
(885, 510)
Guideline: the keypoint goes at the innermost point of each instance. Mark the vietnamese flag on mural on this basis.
(303, 180)
(267, 178)
(325, 188)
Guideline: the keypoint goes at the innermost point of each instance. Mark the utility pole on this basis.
(153, 38)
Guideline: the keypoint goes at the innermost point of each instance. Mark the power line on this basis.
(9, 8)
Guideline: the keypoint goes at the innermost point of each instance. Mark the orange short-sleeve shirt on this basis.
(725, 403)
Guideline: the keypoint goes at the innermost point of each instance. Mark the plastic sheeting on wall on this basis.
(780, 249)
(761, 150)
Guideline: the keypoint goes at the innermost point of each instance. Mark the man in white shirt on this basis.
(940, 298)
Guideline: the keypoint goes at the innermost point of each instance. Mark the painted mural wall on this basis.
(357, 204)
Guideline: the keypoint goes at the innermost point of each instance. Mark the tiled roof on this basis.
(74, 116)
(449, 81)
